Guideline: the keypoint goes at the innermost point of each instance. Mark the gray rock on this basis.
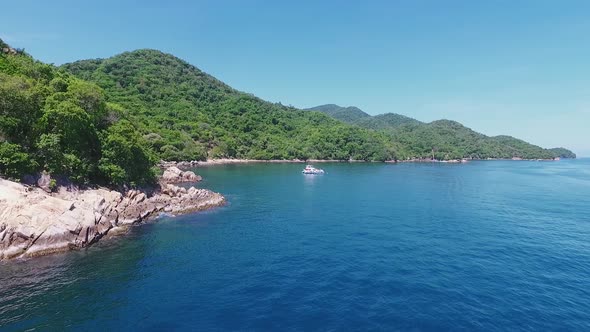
(189, 176)
(175, 175)
(34, 223)
(172, 174)
(44, 181)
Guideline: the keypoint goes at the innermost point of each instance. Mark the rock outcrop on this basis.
(180, 164)
(174, 175)
(44, 182)
(10, 50)
(34, 222)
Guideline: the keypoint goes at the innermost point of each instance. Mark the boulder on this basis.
(175, 175)
(189, 176)
(44, 181)
(172, 174)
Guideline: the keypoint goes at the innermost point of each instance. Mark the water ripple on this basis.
(489, 246)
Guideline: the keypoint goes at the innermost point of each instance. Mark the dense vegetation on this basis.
(563, 153)
(185, 114)
(355, 116)
(451, 140)
(345, 114)
(109, 120)
(51, 120)
(442, 139)
(387, 121)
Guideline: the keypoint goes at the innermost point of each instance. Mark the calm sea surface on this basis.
(489, 246)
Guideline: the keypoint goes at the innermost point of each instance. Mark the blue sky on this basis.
(520, 68)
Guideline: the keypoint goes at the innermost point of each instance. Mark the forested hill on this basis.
(563, 153)
(185, 114)
(52, 121)
(444, 138)
(346, 114)
(354, 115)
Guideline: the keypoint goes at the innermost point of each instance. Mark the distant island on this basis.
(563, 153)
(445, 139)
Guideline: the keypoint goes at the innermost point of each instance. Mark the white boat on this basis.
(309, 169)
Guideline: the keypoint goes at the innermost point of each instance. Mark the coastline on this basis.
(227, 161)
(34, 222)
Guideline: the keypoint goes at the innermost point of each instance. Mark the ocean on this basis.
(482, 246)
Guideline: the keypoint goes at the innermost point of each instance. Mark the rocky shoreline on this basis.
(34, 222)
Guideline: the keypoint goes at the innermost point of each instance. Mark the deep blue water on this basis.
(490, 246)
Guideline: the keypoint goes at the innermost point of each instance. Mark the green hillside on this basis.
(444, 139)
(451, 140)
(563, 153)
(354, 115)
(186, 114)
(53, 121)
(387, 121)
(345, 114)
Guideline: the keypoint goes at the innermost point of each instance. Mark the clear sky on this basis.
(520, 68)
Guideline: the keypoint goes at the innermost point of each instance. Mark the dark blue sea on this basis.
(484, 246)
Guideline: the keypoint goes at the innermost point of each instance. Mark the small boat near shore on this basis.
(309, 169)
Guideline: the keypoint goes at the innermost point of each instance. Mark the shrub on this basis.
(14, 162)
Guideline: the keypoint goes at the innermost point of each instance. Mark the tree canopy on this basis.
(186, 114)
(444, 139)
(51, 120)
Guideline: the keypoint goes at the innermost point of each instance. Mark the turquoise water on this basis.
(490, 246)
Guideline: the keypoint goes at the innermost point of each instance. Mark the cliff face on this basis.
(34, 223)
